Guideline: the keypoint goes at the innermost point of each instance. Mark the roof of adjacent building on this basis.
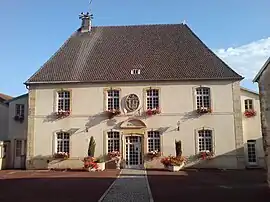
(250, 91)
(4, 97)
(257, 77)
(16, 98)
(169, 52)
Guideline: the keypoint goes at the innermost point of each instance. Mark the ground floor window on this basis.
(153, 141)
(205, 140)
(113, 143)
(63, 141)
(251, 147)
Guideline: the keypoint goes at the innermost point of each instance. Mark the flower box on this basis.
(204, 110)
(113, 113)
(19, 118)
(101, 166)
(153, 154)
(154, 111)
(173, 163)
(61, 155)
(62, 114)
(176, 168)
(250, 113)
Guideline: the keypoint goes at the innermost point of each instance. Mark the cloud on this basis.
(246, 59)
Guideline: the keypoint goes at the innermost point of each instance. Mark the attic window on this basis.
(135, 71)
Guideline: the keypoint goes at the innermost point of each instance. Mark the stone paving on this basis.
(131, 185)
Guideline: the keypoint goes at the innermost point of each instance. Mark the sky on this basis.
(238, 31)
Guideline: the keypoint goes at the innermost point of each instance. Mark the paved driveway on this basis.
(54, 186)
(216, 186)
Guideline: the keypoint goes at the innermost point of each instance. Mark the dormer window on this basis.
(135, 71)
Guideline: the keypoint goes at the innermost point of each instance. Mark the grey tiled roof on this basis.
(161, 52)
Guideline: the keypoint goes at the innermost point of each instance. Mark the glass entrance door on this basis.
(133, 151)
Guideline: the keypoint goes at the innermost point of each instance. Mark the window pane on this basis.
(205, 140)
(152, 98)
(63, 141)
(153, 141)
(113, 99)
(203, 97)
(113, 141)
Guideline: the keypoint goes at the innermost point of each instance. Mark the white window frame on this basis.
(152, 98)
(113, 141)
(19, 110)
(113, 99)
(64, 101)
(253, 143)
(204, 97)
(156, 138)
(248, 104)
(204, 140)
(62, 141)
(22, 149)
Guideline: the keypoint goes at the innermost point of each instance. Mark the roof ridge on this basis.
(138, 25)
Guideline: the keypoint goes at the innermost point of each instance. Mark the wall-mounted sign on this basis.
(132, 102)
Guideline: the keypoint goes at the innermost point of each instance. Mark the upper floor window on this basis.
(203, 98)
(64, 101)
(152, 98)
(248, 104)
(19, 110)
(205, 140)
(113, 97)
(113, 141)
(62, 141)
(153, 141)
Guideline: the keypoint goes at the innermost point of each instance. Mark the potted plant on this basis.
(173, 163)
(90, 163)
(101, 162)
(115, 155)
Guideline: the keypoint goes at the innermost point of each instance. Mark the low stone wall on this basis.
(219, 162)
(71, 163)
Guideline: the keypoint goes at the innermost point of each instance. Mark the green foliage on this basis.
(100, 159)
(92, 147)
(178, 148)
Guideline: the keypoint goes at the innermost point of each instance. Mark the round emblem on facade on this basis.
(132, 102)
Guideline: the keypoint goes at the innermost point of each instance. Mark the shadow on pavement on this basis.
(207, 185)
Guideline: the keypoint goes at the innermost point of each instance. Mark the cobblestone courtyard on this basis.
(132, 185)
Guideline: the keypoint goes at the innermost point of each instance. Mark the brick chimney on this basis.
(86, 21)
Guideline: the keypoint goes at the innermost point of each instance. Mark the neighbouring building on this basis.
(3, 128)
(136, 89)
(262, 78)
(252, 135)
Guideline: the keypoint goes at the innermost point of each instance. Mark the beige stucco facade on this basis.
(252, 128)
(177, 103)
